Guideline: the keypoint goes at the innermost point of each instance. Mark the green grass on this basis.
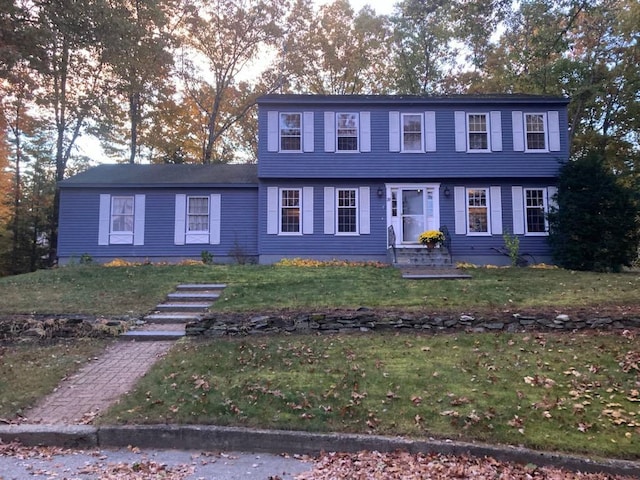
(28, 372)
(136, 290)
(547, 391)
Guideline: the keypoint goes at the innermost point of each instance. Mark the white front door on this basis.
(412, 209)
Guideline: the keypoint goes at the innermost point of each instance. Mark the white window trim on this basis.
(337, 137)
(108, 237)
(545, 125)
(488, 207)
(281, 207)
(182, 236)
(422, 133)
(488, 132)
(300, 150)
(545, 208)
(357, 208)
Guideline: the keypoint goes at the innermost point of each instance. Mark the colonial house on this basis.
(338, 177)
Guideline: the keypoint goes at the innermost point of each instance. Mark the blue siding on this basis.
(78, 231)
(477, 249)
(380, 163)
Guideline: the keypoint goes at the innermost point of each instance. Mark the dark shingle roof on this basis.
(490, 98)
(164, 176)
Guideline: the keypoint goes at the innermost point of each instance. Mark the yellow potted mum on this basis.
(431, 238)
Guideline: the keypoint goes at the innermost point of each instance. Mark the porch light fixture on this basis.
(380, 192)
(447, 192)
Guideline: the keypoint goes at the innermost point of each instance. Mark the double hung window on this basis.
(347, 132)
(478, 132)
(291, 132)
(198, 214)
(535, 132)
(477, 211)
(347, 210)
(122, 210)
(412, 132)
(290, 212)
(535, 210)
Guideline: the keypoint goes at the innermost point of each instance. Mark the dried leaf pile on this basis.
(406, 466)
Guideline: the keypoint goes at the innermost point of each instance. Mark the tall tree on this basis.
(338, 51)
(423, 45)
(139, 59)
(226, 37)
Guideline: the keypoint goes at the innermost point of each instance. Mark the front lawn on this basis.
(114, 291)
(571, 392)
(29, 372)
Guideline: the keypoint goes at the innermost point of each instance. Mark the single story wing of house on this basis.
(339, 177)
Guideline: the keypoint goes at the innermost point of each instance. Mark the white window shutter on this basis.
(365, 131)
(430, 131)
(518, 131)
(394, 131)
(461, 131)
(460, 207)
(554, 131)
(517, 200)
(104, 219)
(329, 210)
(307, 210)
(329, 132)
(138, 221)
(214, 218)
(365, 210)
(272, 210)
(496, 131)
(307, 125)
(273, 131)
(551, 200)
(180, 220)
(496, 210)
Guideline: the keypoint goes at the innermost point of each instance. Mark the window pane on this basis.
(347, 131)
(290, 131)
(412, 132)
(478, 135)
(478, 212)
(535, 211)
(535, 132)
(122, 214)
(290, 211)
(197, 214)
(347, 211)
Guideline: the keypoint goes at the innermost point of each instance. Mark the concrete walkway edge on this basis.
(206, 438)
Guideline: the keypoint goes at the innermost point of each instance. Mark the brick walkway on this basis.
(98, 384)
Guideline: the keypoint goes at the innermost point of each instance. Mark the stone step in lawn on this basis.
(172, 317)
(151, 335)
(193, 296)
(201, 286)
(183, 306)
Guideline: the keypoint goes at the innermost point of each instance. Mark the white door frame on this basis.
(396, 221)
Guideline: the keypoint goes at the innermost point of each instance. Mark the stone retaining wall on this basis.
(366, 320)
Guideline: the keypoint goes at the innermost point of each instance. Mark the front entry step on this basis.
(187, 296)
(201, 286)
(151, 335)
(172, 317)
(183, 307)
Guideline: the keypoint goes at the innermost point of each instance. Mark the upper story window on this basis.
(347, 210)
(198, 214)
(478, 132)
(412, 132)
(537, 132)
(536, 137)
(347, 132)
(290, 132)
(122, 209)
